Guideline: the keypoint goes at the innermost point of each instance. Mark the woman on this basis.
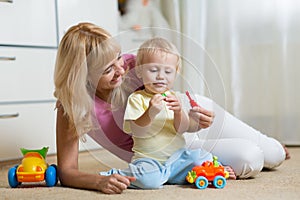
(87, 52)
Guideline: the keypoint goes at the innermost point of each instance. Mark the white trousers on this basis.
(235, 143)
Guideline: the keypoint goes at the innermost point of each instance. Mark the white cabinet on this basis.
(26, 74)
(103, 13)
(28, 22)
(28, 125)
(26, 100)
(28, 43)
(29, 36)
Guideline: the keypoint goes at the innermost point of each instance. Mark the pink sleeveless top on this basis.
(110, 134)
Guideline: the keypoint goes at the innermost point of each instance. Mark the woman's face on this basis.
(111, 77)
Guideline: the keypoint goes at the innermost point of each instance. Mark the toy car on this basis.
(209, 171)
(33, 169)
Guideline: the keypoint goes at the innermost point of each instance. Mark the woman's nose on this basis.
(119, 69)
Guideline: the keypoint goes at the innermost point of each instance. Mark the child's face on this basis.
(158, 72)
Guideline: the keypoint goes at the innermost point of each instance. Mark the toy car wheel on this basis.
(12, 177)
(219, 182)
(201, 182)
(56, 179)
(51, 176)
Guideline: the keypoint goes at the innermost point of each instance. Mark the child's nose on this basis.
(160, 75)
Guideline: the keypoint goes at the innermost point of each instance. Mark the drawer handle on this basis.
(7, 58)
(7, 1)
(6, 116)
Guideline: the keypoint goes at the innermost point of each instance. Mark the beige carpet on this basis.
(283, 183)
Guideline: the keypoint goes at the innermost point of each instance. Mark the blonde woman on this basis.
(88, 68)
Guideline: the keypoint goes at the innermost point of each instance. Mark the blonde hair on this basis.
(154, 45)
(84, 50)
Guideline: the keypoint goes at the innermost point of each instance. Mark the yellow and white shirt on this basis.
(161, 140)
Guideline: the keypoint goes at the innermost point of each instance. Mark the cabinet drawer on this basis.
(26, 74)
(28, 22)
(34, 127)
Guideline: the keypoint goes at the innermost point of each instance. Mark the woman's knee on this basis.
(245, 157)
(252, 162)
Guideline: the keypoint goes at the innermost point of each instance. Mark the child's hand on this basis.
(173, 103)
(156, 104)
(181, 120)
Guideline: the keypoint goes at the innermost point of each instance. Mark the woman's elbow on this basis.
(64, 176)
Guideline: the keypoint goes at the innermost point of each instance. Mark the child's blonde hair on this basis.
(154, 45)
(84, 50)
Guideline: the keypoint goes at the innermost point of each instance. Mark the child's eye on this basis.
(169, 71)
(153, 70)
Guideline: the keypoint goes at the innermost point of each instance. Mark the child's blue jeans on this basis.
(151, 174)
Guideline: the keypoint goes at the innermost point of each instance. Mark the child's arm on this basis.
(140, 126)
(181, 119)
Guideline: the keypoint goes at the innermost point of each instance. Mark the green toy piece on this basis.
(215, 161)
(42, 151)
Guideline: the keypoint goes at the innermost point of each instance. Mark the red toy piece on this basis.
(209, 171)
(192, 102)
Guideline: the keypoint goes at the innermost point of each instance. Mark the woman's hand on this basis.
(200, 118)
(114, 184)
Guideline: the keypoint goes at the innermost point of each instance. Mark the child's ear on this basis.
(178, 69)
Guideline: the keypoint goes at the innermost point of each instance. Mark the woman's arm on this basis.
(67, 160)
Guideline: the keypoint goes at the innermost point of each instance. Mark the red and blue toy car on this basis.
(209, 171)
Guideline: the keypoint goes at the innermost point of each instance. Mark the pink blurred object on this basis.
(192, 102)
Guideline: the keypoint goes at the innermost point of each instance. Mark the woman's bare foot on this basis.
(231, 172)
(287, 153)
